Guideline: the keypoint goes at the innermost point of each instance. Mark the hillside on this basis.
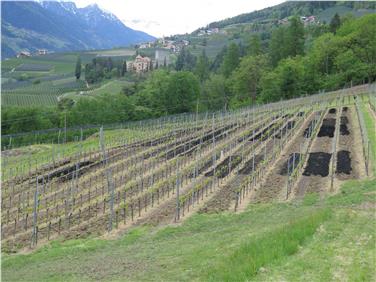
(59, 26)
(325, 10)
(277, 219)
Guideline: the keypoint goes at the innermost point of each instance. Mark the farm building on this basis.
(42, 52)
(23, 54)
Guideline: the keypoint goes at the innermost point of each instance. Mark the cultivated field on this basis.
(188, 164)
(41, 80)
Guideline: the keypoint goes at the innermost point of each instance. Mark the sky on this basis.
(167, 17)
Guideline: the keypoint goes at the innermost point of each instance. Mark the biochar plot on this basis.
(332, 111)
(318, 164)
(343, 162)
(343, 126)
(327, 128)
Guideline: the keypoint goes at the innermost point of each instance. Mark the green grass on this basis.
(371, 131)
(247, 260)
(310, 240)
(110, 87)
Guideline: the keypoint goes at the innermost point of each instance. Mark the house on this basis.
(202, 32)
(42, 52)
(283, 21)
(140, 64)
(146, 45)
(23, 54)
(309, 20)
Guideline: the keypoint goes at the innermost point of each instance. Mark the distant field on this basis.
(57, 65)
(45, 93)
(111, 87)
(116, 52)
(33, 67)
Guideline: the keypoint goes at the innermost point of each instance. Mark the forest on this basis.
(292, 61)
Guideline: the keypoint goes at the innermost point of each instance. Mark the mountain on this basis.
(61, 26)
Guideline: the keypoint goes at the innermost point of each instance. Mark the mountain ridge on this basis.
(61, 26)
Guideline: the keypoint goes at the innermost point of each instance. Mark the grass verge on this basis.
(371, 132)
(330, 240)
(268, 248)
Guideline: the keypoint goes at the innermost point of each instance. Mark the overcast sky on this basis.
(168, 17)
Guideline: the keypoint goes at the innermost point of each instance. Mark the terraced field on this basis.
(211, 163)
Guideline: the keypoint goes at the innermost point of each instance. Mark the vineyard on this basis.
(40, 80)
(192, 163)
(45, 93)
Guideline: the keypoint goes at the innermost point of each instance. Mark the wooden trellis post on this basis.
(35, 215)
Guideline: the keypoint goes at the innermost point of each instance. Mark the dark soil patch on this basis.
(287, 127)
(261, 134)
(248, 135)
(343, 162)
(327, 128)
(344, 120)
(247, 168)
(66, 171)
(300, 114)
(204, 167)
(343, 126)
(186, 147)
(344, 109)
(225, 167)
(332, 111)
(308, 131)
(291, 162)
(318, 164)
(344, 130)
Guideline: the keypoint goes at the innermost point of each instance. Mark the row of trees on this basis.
(101, 68)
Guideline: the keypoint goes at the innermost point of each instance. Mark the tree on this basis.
(295, 37)
(246, 78)
(284, 82)
(335, 23)
(182, 92)
(77, 72)
(254, 46)
(215, 93)
(216, 64)
(202, 66)
(124, 68)
(153, 93)
(270, 87)
(230, 60)
(185, 61)
(110, 64)
(277, 47)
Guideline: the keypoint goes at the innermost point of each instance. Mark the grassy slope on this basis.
(371, 130)
(110, 87)
(332, 239)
